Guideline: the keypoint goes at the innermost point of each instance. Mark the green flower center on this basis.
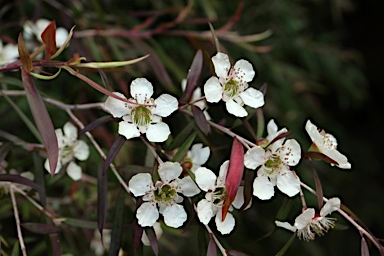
(67, 153)
(218, 196)
(165, 193)
(231, 88)
(273, 163)
(141, 115)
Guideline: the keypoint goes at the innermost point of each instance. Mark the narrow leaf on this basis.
(184, 148)
(104, 79)
(79, 223)
(4, 149)
(19, 180)
(42, 120)
(153, 240)
(98, 122)
(115, 148)
(217, 44)
(202, 241)
(319, 189)
(364, 247)
(49, 38)
(193, 75)
(236, 253)
(63, 46)
(318, 156)
(25, 59)
(280, 136)
(44, 77)
(234, 175)
(211, 251)
(248, 187)
(136, 236)
(55, 243)
(39, 176)
(117, 226)
(200, 119)
(286, 246)
(180, 137)
(40, 228)
(102, 182)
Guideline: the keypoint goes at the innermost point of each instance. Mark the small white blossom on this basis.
(8, 53)
(163, 196)
(36, 29)
(69, 149)
(158, 232)
(309, 223)
(144, 114)
(196, 157)
(215, 195)
(274, 162)
(231, 85)
(196, 95)
(327, 144)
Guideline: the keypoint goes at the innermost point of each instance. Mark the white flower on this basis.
(158, 232)
(144, 114)
(326, 143)
(196, 95)
(309, 223)
(274, 162)
(36, 29)
(8, 53)
(163, 196)
(196, 157)
(69, 149)
(231, 85)
(212, 204)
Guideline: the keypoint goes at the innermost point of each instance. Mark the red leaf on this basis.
(42, 120)
(212, 251)
(200, 119)
(49, 39)
(25, 58)
(234, 175)
(193, 75)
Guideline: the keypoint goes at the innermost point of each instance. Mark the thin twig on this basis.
(149, 146)
(17, 219)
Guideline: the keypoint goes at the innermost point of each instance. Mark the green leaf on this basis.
(184, 148)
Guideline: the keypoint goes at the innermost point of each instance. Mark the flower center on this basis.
(67, 154)
(272, 164)
(218, 196)
(231, 88)
(165, 193)
(329, 141)
(141, 115)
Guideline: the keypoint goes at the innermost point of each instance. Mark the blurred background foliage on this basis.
(306, 52)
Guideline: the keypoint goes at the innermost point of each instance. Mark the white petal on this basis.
(239, 199)
(263, 188)
(342, 160)
(61, 36)
(221, 64)
(117, 107)
(165, 105)
(332, 205)
(147, 214)
(271, 128)
(204, 211)
(158, 132)
(169, 171)
(290, 153)
(205, 179)
(199, 155)
(315, 135)
(10, 52)
(74, 171)
(141, 89)
(222, 173)
(188, 187)
(235, 109)
(252, 98)
(140, 184)
(254, 157)
(213, 90)
(174, 215)
(70, 131)
(245, 67)
(46, 166)
(128, 130)
(285, 225)
(81, 150)
(226, 226)
(305, 218)
(288, 183)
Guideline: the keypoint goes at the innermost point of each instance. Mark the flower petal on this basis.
(226, 226)
(290, 153)
(205, 179)
(140, 184)
(213, 90)
(61, 36)
(342, 160)
(222, 65)
(332, 205)
(239, 199)
(188, 187)
(165, 105)
(285, 225)
(254, 157)
(128, 130)
(204, 211)
(141, 89)
(288, 183)
(263, 188)
(169, 171)
(314, 134)
(271, 129)
(198, 154)
(74, 171)
(117, 107)
(222, 173)
(245, 69)
(158, 132)
(235, 109)
(252, 97)
(305, 218)
(147, 214)
(70, 132)
(174, 215)
(81, 150)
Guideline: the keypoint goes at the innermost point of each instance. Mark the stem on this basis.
(158, 159)
(17, 219)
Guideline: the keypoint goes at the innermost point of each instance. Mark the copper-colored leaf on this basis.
(236, 253)
(25, 58)
(102, 182)
(280, 136)
(100, 121)
(40, 228)
(319, 189)
(193, 76)
(364, 247)
(42, 120)
(234, 175)
(200, 119)
(115, 148)
(153, 240)
(212, 251)
(117, 226)
(49, 38)
(137, 232)
(248, 187)
(318, 156)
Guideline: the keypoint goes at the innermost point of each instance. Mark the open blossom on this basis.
(8, 53)
(274, 162)
(309, 223)
(231, 85)
(215, 195)
(196, 95)
(326, 144)
(196, 157)
(69, 149)
(36, 29)
(163, 196)
(144, 114)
